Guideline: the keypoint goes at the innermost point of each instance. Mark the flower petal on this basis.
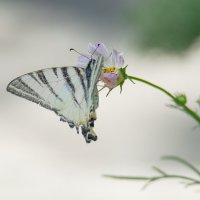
(100, 50)
(83, 60)
(112, 80)
(121, 60)
(117, 58)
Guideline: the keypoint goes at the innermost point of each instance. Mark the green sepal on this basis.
(125, 76)
(123, 72)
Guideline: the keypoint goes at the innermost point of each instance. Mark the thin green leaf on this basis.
(159, 171)
(182, 161)
(138, 178)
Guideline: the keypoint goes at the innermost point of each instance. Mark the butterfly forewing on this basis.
(70, 92)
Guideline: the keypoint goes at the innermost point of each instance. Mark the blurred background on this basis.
(42, 158)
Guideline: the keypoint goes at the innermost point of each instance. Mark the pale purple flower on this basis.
(111, 60)
(111, 79)
(83, 60)
(95, 50)
(117, 59)
(98, 49)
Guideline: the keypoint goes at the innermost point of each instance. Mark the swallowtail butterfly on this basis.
(71, 92)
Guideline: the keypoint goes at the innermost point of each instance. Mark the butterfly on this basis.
(71, 92)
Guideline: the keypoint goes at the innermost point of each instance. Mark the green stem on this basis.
(186, 109)
(191, 113)
(153, 178)
(156, 178)
(153, 85)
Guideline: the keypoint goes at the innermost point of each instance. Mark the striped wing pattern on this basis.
(71, 92)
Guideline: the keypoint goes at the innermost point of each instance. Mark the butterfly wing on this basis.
(70, 92)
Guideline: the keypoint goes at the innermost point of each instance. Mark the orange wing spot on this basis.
(93, 115)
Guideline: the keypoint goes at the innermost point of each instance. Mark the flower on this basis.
(111, 79)
(113, 74)
(95, 50)
(83, 60)
(98, 49)
(117, 58)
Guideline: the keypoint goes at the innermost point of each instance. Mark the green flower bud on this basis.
(181, 99)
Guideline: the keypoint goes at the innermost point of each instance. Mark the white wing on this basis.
(70, 92)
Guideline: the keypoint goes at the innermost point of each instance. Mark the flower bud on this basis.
(181, 99)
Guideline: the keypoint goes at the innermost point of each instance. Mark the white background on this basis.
(42, 158)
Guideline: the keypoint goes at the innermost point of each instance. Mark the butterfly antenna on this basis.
(95, 50)
(79, 53)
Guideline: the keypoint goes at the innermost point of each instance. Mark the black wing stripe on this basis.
(69, 82)
(55, 71)
(21, 85)
(77, 70)
(67, 78)
(34, 78)
(43, 79)
(88, 72)
(30, 98)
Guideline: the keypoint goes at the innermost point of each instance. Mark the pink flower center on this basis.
(111, 77)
